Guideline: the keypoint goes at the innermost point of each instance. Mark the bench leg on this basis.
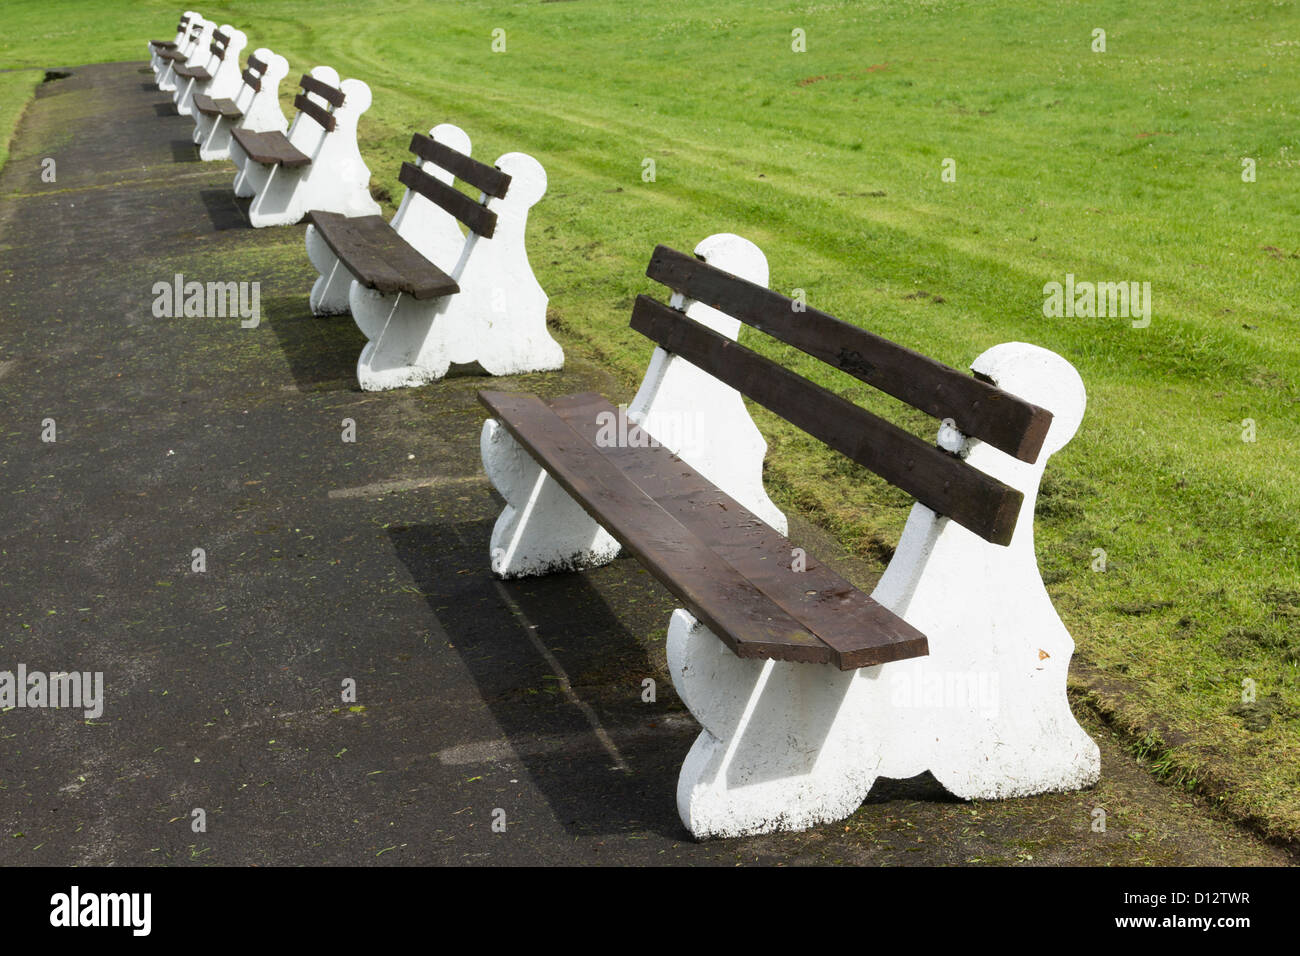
(329, 294)
(167, 82)
(403, 350)
(251, 175)
(278, 201)
(541, 529)
(784, 746)
(182, 97)
(216, 145)
(992, 691)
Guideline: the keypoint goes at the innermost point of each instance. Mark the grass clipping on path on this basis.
(1167, 529)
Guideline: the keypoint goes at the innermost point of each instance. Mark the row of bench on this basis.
(425, 295)
(807, 689)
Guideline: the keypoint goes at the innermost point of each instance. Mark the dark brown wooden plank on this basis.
(252, 79)
(935, 478)
(163, 44)
(255, 64)
(210, 107)
(478, 218)
(330, 94)
(489, 179)
(379, 258)
(731, 607)
(271, 148)
(979, 409)
(305, 104)
(172, 54)
(860, 630)
(193, 73)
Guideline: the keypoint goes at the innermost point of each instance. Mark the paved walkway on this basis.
(328, 561)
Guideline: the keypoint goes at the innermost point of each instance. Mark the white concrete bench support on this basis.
(787, 746)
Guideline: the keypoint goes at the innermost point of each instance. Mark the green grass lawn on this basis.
(15, 90)
(1123, 165)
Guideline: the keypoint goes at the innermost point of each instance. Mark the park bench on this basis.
(255, 106)
(806, 688)
(426, 295)
(156, 47)
(219, 77)
(189, 52)
(316, 165)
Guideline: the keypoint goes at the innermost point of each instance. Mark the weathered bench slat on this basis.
(271, 148)
(331, 94)
(861, 632)
(478, 218)
(379, 258)
(193, 73)
(937, 479)
(216, 107)
(711, 589)
(489, 179)
(320, 114)
(978, 409)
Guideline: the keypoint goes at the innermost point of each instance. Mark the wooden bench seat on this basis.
(217, 107)
(730, 569)
(270, 148)
(197, 73)
(807, 689)
(379, 258)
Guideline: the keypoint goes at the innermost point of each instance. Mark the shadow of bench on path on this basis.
(555, 743)
(321, 353)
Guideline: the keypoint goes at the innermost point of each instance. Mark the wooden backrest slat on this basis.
(489, 179)
(252, 79)
(218, 45)
(977, 408)
(255, 64)
(940, 481)
(320, 114)
(479, 219)
(326, 92)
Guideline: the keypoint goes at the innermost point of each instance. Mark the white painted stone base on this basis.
(785, 745)
(541, 529)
